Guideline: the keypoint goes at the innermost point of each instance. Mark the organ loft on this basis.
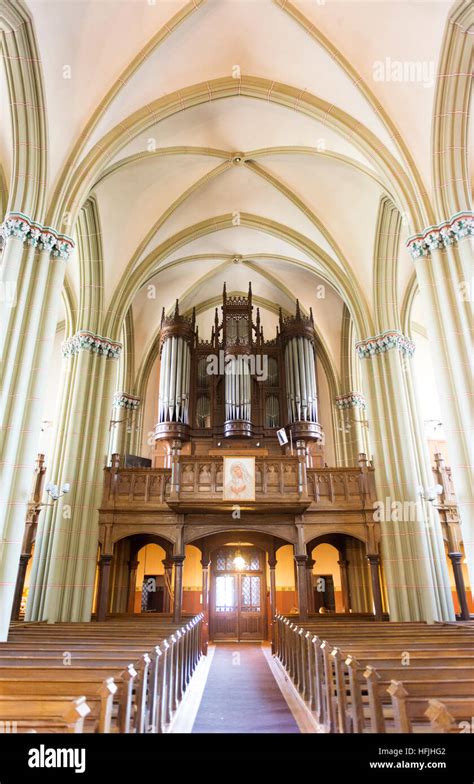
(238, 446)
(238, 474)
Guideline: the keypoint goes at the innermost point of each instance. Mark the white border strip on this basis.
(185, 716)
(301, 713)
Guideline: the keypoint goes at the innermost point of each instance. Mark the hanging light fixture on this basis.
(239, 560)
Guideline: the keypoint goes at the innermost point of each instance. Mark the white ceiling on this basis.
(303, 175)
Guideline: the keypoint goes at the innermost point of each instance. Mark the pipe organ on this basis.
(298, 338)
(237, 384)
(177, 338)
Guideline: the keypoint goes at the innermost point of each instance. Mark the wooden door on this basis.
(237, 595)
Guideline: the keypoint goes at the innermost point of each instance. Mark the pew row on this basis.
(348, 680)
(131, 675)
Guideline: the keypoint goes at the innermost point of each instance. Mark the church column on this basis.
(62, 579)
(352, 422)
(456, 560)
(178, 561)
(119, 576)
(301, 557)
(105, 563)
(33, 512)
(309, 579)
(302, 586)
(302, 455)
(443, 263)
(346, 598)
(448, 512)
(358, 576)
(176, 446)
(168, 577)
(205, 563)
(374, 561)
(132, 584)
(272, 562)
(417, 578)
(124, 407)
(20, 582)
(34, 257)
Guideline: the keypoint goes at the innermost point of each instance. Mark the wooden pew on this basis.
(441, 720)
(56, 714)
(332, 681)
(411, 711)
(150, 684)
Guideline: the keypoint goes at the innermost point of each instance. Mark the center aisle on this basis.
(241, 694)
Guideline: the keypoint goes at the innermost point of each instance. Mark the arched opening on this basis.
(239, 594)
(326, 580)
(340, 579)
(141, 575)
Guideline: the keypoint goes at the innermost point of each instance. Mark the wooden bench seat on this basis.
(133, 674)
(343, 670)
(412, 712)
(54, 714)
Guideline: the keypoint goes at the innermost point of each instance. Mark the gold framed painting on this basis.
(239, 479)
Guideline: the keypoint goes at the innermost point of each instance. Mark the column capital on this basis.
(19, 225)
(126, 400)
(373, 558)
(178, 559)
(350, 400)
(448, 232)
(301, 559)
(84, 340)
(385, 341)
(456, 557)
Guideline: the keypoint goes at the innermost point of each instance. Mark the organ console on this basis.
(237, 385)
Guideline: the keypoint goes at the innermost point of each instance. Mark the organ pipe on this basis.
(228, 408)
(238, 392)
(177, 335)
(300, 370)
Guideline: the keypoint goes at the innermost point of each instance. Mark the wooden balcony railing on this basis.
(197, 482)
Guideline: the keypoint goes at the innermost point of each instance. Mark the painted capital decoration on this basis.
(125, 400)
(88, 341)
(351, 400)
(16, 224)
(379, 344)
(437, 237)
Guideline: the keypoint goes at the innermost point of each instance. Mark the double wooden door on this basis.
(237, 597)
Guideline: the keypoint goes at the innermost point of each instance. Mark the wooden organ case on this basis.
(236, 387)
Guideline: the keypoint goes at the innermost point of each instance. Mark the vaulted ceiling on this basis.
(237, 140)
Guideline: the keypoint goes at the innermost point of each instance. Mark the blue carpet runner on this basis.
(241, 694)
